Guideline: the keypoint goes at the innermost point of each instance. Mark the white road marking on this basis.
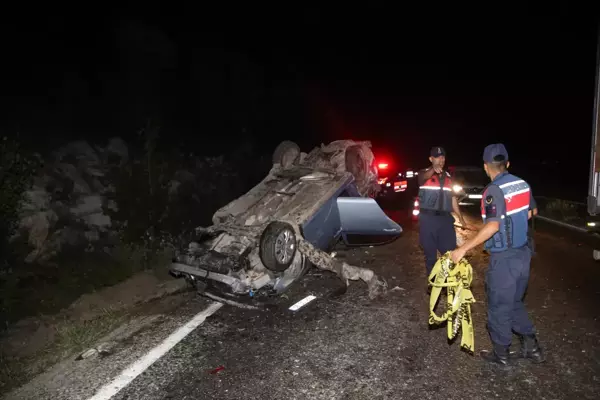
(129, 374)
(302, 302)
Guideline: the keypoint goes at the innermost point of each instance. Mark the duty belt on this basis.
(456, 278)
(435, 212)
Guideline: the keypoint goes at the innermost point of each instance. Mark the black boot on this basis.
(498, 355)
(530, 348)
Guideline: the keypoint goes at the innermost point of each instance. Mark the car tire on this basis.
(356, 163)
(277, 247)
(286, 154)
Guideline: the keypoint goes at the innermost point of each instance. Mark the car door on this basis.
(363, 222)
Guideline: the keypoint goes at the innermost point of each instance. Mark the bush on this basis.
(562, 210)
(155, 197)
(163, 195)
(17, 169)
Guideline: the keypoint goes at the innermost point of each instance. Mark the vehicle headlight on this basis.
(457, 188)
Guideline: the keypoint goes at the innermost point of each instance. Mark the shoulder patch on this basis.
(490, 211)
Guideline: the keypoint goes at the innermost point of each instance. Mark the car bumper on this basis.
(223, 288)
(470, 200)
(194, 273)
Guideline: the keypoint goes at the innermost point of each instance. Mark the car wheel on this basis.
(286, 154)
(278, 246)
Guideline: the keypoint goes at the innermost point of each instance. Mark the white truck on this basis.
(593, 200)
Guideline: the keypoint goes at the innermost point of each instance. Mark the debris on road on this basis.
(102, 350)
(345, 271)
(217, 370)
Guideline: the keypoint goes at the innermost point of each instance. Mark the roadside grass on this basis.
(76, 336)
(71, 337)
(12, 372)
(562, 210)
(43, 292)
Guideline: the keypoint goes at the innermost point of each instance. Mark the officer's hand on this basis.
(437, 169)
(466, 225)
(457, 255)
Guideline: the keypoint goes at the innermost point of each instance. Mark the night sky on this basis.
(404, 79)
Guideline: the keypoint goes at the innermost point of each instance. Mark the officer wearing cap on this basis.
(506, 207)
(437, 201)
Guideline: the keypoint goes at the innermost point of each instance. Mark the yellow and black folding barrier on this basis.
(456, 278)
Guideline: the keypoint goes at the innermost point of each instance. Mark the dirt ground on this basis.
(31, 345)
(345, 346)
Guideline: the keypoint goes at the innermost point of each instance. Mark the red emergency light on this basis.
(382, 165)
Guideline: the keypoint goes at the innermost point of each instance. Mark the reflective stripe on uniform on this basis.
(516, 210)
(435, 188)
(511, 183)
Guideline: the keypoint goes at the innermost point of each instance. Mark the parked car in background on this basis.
(469, 183)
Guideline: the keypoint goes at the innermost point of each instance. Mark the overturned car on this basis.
(262, 242)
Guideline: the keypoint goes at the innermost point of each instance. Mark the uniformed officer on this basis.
(505, 209)
(437, 201)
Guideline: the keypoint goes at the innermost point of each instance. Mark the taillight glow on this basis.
(416, 211)
(382, 165)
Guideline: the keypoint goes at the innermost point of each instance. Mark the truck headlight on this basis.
(457, 188)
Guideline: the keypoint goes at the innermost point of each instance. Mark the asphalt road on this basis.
(345, 346)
